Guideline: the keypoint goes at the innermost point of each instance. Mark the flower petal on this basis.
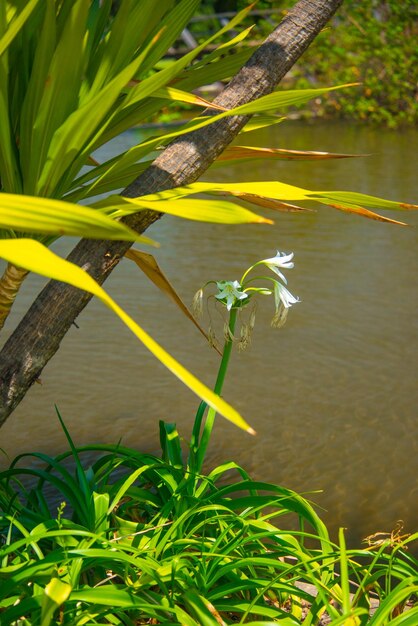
(283, 295)
(281, 260)
(230, 292)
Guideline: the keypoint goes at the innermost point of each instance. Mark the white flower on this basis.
(281, 260)
(230, 292)
(283, 300)
(283, 295)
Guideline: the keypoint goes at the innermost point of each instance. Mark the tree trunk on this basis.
(39, 334)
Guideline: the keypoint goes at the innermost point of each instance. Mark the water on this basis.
(332, 395)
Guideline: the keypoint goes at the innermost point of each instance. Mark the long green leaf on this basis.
(55, 594)
(129, 113)
(279, 99)
(8, 165)
(60, 94)
(345, 582)
(224, 47)
(361, 199)
(177, 95)
(130, 28)
(119, 181)
(16, 24)
(35, 92)
(406, 588)
(110, 595)
(261, 121)
(31, 255)
(172, 24)
(198, 75)
(201, 609)
(56, 217)
(75, 133)
(10, 178)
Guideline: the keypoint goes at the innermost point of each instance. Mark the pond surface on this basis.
(332, 395)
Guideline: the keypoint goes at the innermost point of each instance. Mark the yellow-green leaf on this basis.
(224, 47)
(16, 24)
(261, 121)
(348, 201)
(177, 95)
(214, 211)
(35, 257)
(361, 199)
(266, 189)
(56, 217)
(55, 594)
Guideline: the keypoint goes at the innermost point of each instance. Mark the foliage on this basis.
(373, 42)
(135, 539)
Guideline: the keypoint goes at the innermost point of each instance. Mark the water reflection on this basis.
(332, 395)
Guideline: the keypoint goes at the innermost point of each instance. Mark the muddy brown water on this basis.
(332, 395)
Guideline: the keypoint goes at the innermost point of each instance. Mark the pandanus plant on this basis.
(75, 74)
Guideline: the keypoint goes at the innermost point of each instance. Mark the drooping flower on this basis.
(283, 300)
(281, 260)
(283, 295)
(230, 293)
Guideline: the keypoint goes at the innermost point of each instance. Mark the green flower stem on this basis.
(194, 443)
(198, 448)
(250, 269)
(253, 278)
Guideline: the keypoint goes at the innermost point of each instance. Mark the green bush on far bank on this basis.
(372, 42)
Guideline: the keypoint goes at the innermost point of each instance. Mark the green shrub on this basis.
(372, 42)
(126, 542)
